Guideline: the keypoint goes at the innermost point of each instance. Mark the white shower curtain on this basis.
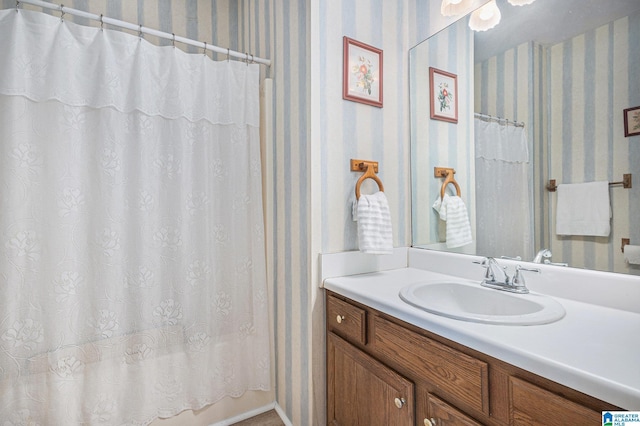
(132, 268)
(503, 192)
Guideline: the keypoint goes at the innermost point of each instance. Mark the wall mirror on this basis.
(565, 71)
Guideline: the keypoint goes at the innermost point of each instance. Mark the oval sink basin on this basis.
(471, 302)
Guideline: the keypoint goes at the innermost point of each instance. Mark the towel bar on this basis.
(625, 182)
(370, 168)
(625, 242)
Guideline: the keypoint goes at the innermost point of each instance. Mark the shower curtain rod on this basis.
(491, 117)
(140, 29)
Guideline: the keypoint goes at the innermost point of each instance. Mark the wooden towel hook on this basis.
(447, 173)
(370, 168)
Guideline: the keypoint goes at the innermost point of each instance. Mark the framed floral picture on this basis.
(443, 87)
(632, 121)
(362, 73)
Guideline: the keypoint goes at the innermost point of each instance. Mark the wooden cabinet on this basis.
(382, 371)
(442, 414)
(364, 391)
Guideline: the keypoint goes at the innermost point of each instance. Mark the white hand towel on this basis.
(583, 209)
(453, 211)
(374, 224)
(632, 254)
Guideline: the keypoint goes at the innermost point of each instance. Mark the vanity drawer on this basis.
(458, 376)
(346, 320)
(531, 404)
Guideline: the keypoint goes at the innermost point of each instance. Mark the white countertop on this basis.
(593, 349)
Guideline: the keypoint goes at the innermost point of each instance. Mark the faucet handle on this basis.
(494, 272)
(518, 279)
(488, 275)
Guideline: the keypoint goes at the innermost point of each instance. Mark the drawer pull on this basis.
(339, 319)
(400, 402)
(431, 422)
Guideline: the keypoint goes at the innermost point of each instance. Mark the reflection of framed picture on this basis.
(362, 73)
(443, 88)
(632, 121)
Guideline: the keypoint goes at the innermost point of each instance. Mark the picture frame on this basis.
(631, 121)
(443, 91)
(362, 73)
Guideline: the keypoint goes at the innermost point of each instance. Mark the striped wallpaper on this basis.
(593, 77)
(437, 143)
(342, 130)
(571, 96)
(316, 132)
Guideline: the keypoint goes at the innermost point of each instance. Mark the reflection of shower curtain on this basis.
(132, 271)
(503, 200)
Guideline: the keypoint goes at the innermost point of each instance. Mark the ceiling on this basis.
(548, 22)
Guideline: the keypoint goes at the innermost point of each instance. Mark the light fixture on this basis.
(454, 7)
(486, 17)
(520, 2)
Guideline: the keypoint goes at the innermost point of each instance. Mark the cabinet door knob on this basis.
(400, 402)
(340, 318)
(431, 422)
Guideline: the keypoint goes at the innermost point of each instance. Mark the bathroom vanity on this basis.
(389, 362)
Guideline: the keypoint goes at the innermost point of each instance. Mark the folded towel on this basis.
(453, 211)
(374, 224)
(583, 209)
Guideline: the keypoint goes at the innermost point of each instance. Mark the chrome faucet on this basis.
(543, 254)
(495, 277)
(495, 274)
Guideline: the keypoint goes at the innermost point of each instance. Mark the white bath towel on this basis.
(453, 211)
(374, 224)
(583, 209)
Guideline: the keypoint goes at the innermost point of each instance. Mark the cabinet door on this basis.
(362, 391)
(457, 376)
(443, 414)
(532, 405)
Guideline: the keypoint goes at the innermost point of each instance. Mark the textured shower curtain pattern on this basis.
(503, 191)
(132, 271)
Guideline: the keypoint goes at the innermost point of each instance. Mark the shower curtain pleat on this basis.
(132, 261)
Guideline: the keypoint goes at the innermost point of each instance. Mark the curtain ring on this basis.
(140, 31)
(247, 58)
(101, 23)
(173, 41)
(17, 5)
(204, 51)
(61, 12)
(228, 57)
(252, 56)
